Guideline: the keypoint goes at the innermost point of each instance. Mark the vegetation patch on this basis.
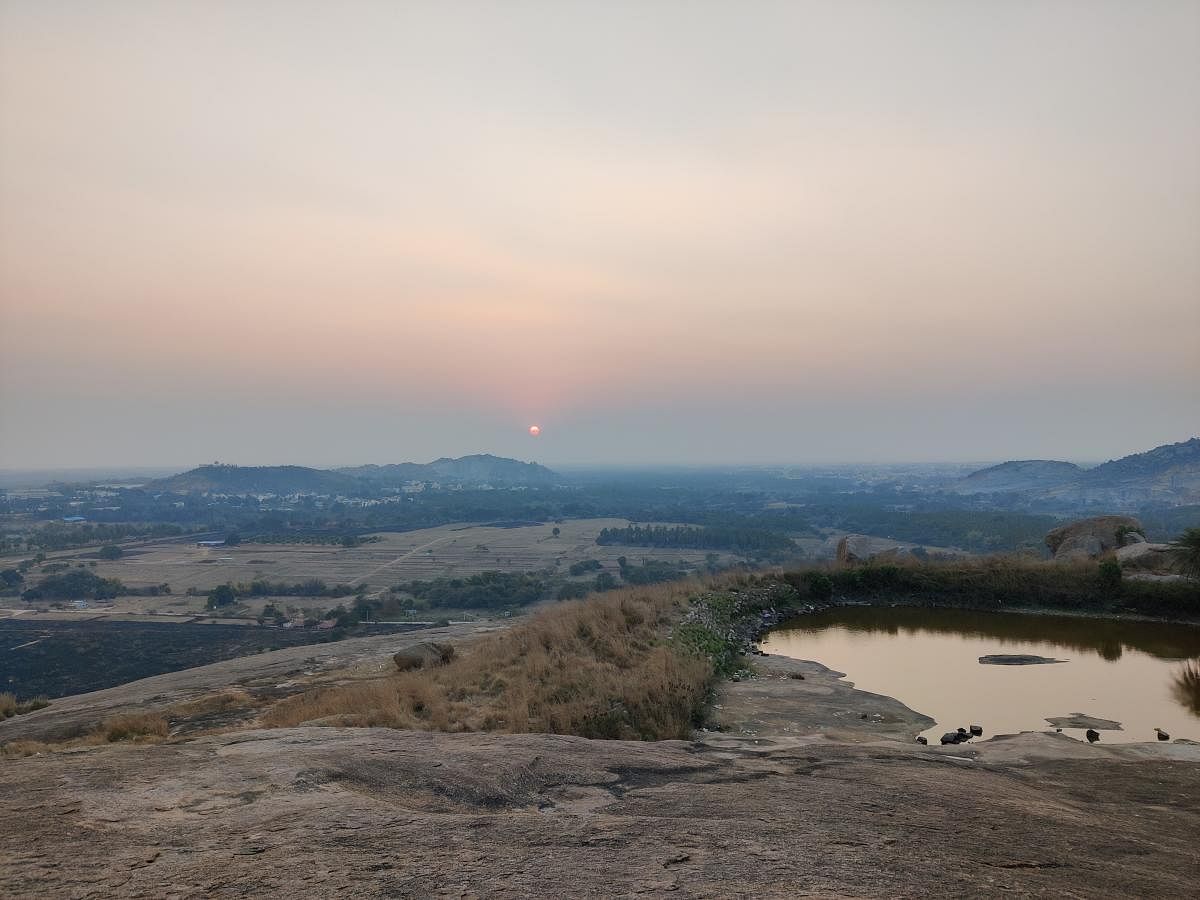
(605, 668)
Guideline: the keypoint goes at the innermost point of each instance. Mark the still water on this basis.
(1141, 674)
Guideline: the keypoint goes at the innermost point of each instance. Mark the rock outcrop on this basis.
(1090, 538)
(423, 656)
(861, 548)
(1145, 556)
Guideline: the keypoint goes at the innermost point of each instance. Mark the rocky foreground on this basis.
(817, 800)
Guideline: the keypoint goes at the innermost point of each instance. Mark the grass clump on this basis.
(10, 706)
(133, 726)
(601, 668)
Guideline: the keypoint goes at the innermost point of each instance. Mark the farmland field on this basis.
(446, 551)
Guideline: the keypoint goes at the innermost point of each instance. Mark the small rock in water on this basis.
(1092, 735)
(950, 737)
(977, 730)
(1162, 735)
(921, 739)
(1017, 659)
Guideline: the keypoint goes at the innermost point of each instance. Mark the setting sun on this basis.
(535, 430)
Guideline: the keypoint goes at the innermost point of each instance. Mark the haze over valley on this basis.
(599, 449)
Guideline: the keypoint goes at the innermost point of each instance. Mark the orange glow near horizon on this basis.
(496, 221)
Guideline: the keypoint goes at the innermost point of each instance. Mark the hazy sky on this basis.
(687, 232)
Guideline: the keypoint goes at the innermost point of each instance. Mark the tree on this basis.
(222, 595)
(556, 531)
(232, 539)
(112, 551)
(1186, 552)
(1110, 576)
(10, 578)
(605, 581)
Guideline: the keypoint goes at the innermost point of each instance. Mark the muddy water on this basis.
(1143, 675)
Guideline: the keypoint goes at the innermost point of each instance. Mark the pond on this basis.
(1144, 675)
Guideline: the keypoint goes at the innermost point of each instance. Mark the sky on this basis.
(666, 232)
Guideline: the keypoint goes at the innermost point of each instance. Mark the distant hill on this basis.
(1168, 475)
(479, 469)
(1165, 476)
(219, 479)
(1019, 476)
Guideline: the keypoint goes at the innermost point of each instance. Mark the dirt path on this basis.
(400, 558)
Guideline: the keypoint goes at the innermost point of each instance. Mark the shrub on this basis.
(133, 726)
(597, 668)
(1110, 576)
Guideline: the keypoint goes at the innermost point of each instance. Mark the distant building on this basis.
(210, 543)
(73, 519)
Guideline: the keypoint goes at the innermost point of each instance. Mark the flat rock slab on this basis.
(324, 812)
(1081, 720)
(1017, 659)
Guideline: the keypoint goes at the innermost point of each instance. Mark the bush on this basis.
(572, 590)
(605, 581)
(222, 595)
(112, 551)
(1110, 576)
(133, 726)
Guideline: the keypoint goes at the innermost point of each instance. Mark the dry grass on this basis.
(597, 668)
(134, 727)
(9, 706)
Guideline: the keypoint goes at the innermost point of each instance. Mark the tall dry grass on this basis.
(598, 668)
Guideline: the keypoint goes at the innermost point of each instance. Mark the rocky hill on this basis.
(1019, 476)
(223, 479)
(1165, 476)
(478, 469)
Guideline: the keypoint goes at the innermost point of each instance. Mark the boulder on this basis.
(853, 548)
(1145, 557)
(423, 655)
(1089, 538)
(861, 548)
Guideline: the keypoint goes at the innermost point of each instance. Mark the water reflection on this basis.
(1186, 686)
(1142, 674)
(1108, 638)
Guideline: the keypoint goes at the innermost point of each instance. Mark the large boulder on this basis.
(1089, 538)
(860, 548)
(423, 656)
(1145, 557)
(853, 548)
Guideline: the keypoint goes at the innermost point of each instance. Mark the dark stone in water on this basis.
(1162, 735)
(950, 737)
(1092, 735)
(1017, 659)
(977, 730)
(921, 739)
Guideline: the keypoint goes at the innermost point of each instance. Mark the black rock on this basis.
(977, 730)
(1162, 735)
(921, 739)
(950, 737)
(1092, 735)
